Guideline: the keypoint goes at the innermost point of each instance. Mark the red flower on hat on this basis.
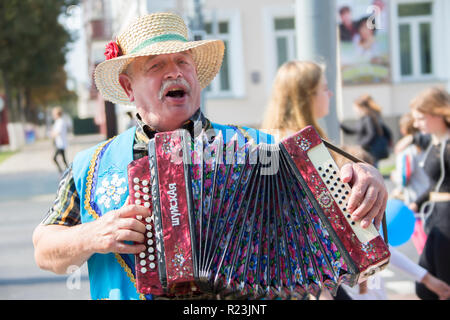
(112, 50)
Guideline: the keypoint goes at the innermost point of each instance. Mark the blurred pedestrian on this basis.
(372, 133)
(409, 178)
(374, 289)
(431, 112)
(59, 134)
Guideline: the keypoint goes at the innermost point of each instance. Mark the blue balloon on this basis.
(400, 222)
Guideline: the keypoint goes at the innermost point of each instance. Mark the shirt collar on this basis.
(195, 124)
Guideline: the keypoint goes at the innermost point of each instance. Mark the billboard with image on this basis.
(364, 41)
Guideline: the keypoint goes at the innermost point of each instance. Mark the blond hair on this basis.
(290, 105)
(434, 101)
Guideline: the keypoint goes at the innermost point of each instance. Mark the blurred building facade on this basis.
(260, 36)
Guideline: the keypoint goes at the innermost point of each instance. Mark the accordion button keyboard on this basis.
(329, 172)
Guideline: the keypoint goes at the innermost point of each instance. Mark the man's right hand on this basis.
(113, 231)
(118, 231)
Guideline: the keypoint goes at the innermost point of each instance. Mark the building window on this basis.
(415, 29)
(285, 39)
(222, 83)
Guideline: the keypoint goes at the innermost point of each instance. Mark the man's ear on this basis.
(125, 82)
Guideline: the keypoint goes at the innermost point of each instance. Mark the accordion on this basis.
(255, 220)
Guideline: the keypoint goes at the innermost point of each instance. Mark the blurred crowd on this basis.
(301, 97)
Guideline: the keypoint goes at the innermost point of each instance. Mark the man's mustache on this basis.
(171, 82)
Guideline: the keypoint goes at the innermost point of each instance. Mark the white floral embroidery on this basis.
(111, 190)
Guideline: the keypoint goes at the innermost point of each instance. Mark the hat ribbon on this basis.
(161, 38)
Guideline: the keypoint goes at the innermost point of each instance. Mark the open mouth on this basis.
(176, 93)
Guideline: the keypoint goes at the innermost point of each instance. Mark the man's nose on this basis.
(173, 71)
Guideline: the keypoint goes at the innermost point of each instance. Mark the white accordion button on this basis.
(147, 204)
(144, 183)
(149, 234)
(152, 265)
(136, 180)
(148, 227)
(137, 195)
(139, 217)
(145, 190)
(143, 270)
(151, 250)
(138, 202)
(150, 243)
(151, 257)
(148, 219)
(136, 188)
(146, 197)
(142, 255)
(143, 263)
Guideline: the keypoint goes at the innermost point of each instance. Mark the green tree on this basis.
(34, 46)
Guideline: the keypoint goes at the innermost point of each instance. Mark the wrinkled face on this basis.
(321, 101)
(428, 123)
(165, 89)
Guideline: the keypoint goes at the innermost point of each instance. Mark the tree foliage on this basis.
(34, 46)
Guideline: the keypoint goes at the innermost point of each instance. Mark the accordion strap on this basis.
(355, 159)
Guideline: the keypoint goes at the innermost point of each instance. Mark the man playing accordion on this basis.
(153, 66)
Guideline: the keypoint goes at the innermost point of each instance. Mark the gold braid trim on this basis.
(87, 206)
(89, 178)
(129, 273)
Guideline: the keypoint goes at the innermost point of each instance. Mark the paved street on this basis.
(28, 181)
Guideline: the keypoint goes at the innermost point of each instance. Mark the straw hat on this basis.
(154, 34)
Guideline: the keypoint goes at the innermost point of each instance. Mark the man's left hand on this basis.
(369, 196)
